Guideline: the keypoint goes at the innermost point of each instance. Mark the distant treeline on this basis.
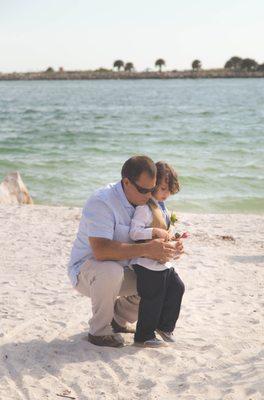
(235, 67)
(234, 64)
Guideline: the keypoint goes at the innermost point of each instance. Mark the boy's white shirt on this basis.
(140, 229)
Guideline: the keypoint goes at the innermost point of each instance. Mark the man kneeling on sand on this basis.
(101, 252)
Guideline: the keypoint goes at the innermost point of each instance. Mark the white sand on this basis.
(219, 350)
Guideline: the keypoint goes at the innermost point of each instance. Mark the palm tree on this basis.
(249, 65)
(119, 64)
(196, 65)
(129, 66)
(159, 63)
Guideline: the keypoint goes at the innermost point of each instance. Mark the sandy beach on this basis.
(44, 322)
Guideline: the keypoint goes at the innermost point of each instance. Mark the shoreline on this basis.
(178, 212)
(111, 75)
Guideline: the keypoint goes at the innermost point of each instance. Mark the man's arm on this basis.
(100, 223)
(105, 249)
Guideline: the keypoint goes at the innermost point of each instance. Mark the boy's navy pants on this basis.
(161, 295)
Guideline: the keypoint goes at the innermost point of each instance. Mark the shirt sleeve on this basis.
(99, 218)
(140, 224)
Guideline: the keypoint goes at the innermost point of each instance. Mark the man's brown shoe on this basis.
(121, 329)
(107, 340)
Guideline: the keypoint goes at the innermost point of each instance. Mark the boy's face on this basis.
(162, 192)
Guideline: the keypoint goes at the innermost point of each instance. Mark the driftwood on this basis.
(14, 191)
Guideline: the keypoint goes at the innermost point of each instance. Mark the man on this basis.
(100, 256)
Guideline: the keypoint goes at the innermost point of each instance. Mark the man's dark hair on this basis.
(165, 171)
(135, 166)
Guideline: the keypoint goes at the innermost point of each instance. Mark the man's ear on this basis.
(125, 181)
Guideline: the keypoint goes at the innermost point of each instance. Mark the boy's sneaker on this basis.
(167, 336)
(154, 343)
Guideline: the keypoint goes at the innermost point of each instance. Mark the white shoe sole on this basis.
(151, 345)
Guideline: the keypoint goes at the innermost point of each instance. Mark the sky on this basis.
(84, 34)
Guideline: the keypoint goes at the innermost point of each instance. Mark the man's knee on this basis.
(110, 272)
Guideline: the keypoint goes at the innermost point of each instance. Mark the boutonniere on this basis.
(173, 218)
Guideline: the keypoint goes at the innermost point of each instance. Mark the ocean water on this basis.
(68, 138)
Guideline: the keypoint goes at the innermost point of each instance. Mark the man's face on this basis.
(133, 189)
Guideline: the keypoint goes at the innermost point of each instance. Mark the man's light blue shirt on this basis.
(106, 214)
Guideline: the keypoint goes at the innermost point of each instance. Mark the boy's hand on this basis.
(170, 233)
(163, 233)
(159, 233)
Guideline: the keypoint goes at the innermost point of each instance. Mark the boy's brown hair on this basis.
(165, 171)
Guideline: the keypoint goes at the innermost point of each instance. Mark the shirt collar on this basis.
(162, 205)
(155, 201)
(121, 194)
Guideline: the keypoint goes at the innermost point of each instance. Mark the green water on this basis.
(68, 138)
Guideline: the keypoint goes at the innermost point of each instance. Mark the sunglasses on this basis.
(142, 190)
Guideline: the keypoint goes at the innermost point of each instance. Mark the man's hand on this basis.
(157, 249)
(162, 251)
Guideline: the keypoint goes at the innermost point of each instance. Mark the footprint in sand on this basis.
(146, 384)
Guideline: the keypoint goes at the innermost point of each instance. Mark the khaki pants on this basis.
(103, 282)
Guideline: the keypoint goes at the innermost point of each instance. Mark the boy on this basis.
(158, 285)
